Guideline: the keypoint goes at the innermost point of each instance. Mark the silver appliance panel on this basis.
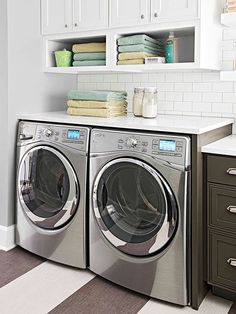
(71, 136)
(170, 148)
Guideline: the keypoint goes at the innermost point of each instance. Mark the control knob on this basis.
(132, 142)
(48, 132)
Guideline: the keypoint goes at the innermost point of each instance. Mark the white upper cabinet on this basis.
(169, 10)
(136, 12)
(129, 12)
(63, 16)
(56, 16)
(90, 14)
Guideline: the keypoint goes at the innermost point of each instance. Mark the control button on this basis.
(155, 141)
(155, 153)
(179, 148)
(179, 143)
(39, 136)
(120, 147)
(144, 150)
(56, 133)
(155, 147)
(178, 155)
(48, 132)
(120, 141)
(144, 143)
(132, 142)
(56, 138)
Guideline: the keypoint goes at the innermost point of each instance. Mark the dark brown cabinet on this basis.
(221, 223)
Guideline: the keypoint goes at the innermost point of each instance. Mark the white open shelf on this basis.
(228, 19)
(191, 43)
(228, 75)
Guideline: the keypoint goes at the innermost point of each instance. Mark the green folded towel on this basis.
(139, 39)
(97, 95)
(140, 47)
(89, 63)
(85, 56)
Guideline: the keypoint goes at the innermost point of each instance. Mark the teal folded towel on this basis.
(140, 47)
(97, 95)
(85, 56)
(139, 39)
(89, 63)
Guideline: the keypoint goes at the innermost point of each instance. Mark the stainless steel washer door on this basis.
(134, 207)
(48, 188)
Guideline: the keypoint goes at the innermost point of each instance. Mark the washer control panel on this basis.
(168, 147)
(76, 137)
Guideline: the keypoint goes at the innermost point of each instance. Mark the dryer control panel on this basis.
(171, 148)
(73, 136)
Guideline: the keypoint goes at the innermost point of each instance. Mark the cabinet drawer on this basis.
(222, 206)
(222, 261)
(221, 170)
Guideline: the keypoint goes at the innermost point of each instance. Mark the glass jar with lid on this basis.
(138, 101)
(150, 102)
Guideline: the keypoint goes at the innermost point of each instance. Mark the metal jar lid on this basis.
(150, 90)
(139, 89)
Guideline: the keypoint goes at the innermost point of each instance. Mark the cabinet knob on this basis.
(142, 16)
(66, 25)
(231, 209)
(232, 262)
(231, 171)
(76, 24)
(155, 14)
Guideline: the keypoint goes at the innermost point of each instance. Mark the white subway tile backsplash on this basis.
(183, 87)
(183, 106)
(165, 87)
(212, 97)
(174, 77)
(229, 33)
(222, 107)
(223, 87)
(192, 96)
(202, 87)
(229, 97)
(174, 96)
(157, 77)
(192, 77)
(202, 107)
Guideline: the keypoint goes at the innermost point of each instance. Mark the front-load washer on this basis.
(139, 211)
(51, 191)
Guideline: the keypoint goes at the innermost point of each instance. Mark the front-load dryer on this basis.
(51, 191)
(139, 212)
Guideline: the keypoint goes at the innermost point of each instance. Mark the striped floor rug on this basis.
(31, 285)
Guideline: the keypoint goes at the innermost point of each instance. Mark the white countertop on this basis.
(225, 146)
(163, 123)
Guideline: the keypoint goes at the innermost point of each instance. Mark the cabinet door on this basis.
(170, 10)
(129, 12)
(56, 16)
(90, 14)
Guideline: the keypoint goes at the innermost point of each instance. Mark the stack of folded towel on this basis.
(89, 54)
(97, 103)
(134, 49)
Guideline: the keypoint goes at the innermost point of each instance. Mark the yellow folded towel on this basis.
(134, 61)
(105, 113)
(134, 55)
(118, 104)
(89, 47)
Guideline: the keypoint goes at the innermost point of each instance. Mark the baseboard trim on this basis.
(7, 238)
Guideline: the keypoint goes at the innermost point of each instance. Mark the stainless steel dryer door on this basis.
(134, 207)
(48, 188)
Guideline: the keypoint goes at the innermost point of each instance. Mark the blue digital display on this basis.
(167, 145)
(73, 134)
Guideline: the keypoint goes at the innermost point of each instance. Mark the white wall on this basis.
(4, 110)
(29, 89)
(184, 93)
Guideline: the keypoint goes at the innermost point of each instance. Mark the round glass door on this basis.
(134, 207)
(48, 187)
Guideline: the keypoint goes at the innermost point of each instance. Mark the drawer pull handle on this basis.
(231, 209)
(231, 171)
(232, 262)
